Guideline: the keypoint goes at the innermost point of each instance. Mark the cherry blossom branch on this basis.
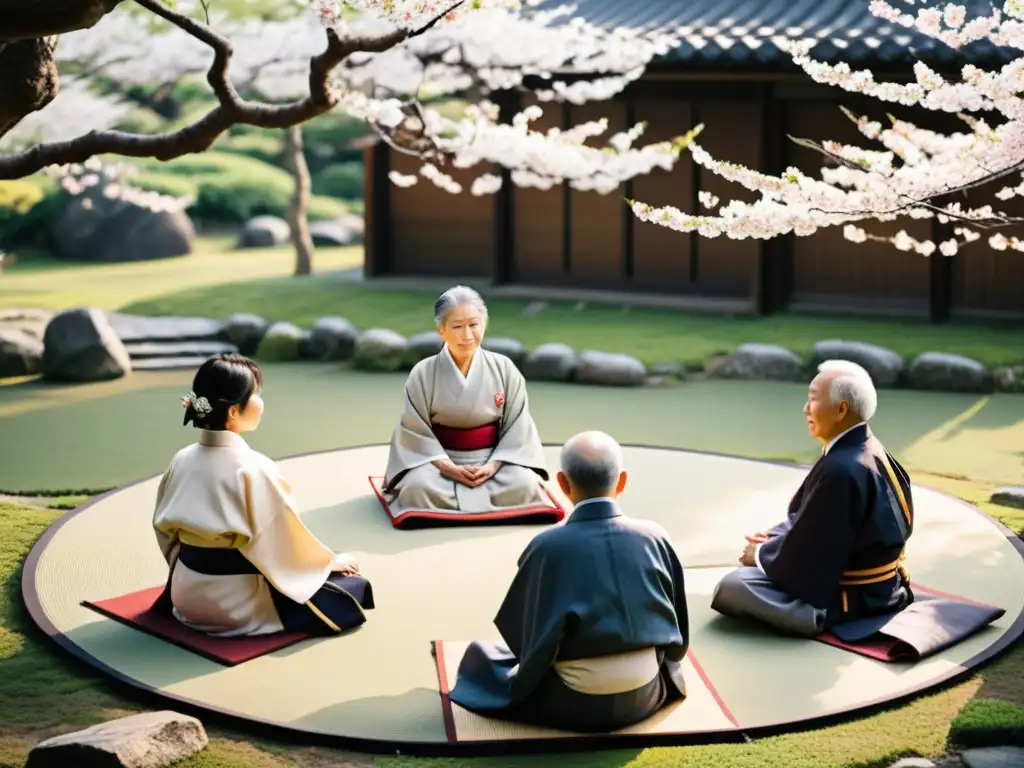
(231, 108)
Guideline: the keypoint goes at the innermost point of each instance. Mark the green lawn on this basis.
(38, 281)
(942, 436)
(651, 335)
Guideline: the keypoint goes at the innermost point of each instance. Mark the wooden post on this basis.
(774, 274)
(377, 211)
(503, 268)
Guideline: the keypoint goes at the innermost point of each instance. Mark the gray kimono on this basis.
(470, 420)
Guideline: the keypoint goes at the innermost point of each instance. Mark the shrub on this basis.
(985, 722)
(265, 146)
(239, 200)
(17, 198)
(344, 180)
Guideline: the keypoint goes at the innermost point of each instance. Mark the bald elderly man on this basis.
(839, 555)
(595, 624)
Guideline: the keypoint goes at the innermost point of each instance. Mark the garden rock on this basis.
(609, 369)
(245, 331)
(380, 349)
(333, 338)
(96, 228)
(21, 354)
(146, 740)
(263, 232)
(422, 346)
(31, 321)
(80, 345)
(908, 762)
(994, 757)
(550, 362)
(141, 328)
(1012, 496)
(344, 230)
(668, 370)
(885, 366)
(281, 342)
(1009, 378)
(513, 349)
(758, 361)
(949, 373)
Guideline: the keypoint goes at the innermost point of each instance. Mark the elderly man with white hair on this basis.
(838, 558)
(595, 623)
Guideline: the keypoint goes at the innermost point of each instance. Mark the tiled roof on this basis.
(737, 33)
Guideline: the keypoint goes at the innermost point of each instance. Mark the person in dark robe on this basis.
(595, 623)
(838, 557)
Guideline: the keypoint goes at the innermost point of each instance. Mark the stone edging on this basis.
(183, 342)
(382, 349)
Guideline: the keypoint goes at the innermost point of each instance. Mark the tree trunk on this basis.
(28, 79)
(297, 221)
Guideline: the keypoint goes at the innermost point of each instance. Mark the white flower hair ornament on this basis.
(199, 404)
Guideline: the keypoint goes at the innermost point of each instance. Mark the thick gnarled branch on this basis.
(28, 79)
(27, 19)
(231, 108)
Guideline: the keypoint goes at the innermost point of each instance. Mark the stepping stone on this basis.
(149, 349)
(994, 757)
(913, 762)
(147, 740)
(169, 363)
(139, 328)
(1012, 496)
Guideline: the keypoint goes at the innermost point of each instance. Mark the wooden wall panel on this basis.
(661, 256)
(732, 132)
(986, 281)
(437, 233)
(827, 268)
(538, 219)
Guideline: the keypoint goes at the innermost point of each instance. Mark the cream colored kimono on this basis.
(219, 493)
(437, 393)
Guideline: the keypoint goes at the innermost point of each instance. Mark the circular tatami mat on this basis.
(377, 688)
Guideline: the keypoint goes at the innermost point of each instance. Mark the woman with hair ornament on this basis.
(466, 442)
(241, 561)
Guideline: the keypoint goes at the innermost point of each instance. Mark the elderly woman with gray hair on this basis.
(465, 443)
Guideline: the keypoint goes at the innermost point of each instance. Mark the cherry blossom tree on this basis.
(383, 61)
(911, 171)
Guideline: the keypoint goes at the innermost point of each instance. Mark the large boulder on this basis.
(282, 342)
(245, 331)
(609, 369)
(550, 362)
(885, 366)
(1008, 378)
(1011, 496)
(80, 345)
(513, 349)
(333, 338)
(758, 361)
(421, 346)
(380, 349)
(263, 232)
(146, 740)
(344, 230)
(21, 353)
(94, 227)
(949, 373)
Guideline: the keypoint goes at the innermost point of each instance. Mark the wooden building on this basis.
(729, 76)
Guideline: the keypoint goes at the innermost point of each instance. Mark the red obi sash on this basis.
(462, 439)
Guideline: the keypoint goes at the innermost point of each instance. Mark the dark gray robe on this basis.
(599, 585)
(838, 556)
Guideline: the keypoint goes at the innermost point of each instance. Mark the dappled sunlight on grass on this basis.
(52, 284)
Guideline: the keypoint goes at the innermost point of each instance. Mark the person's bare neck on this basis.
(464, 363)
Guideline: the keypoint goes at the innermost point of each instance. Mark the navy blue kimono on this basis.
(599, 585)
(839, 555)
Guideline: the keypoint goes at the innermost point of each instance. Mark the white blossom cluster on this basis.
(103, 185)
(913, 166)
